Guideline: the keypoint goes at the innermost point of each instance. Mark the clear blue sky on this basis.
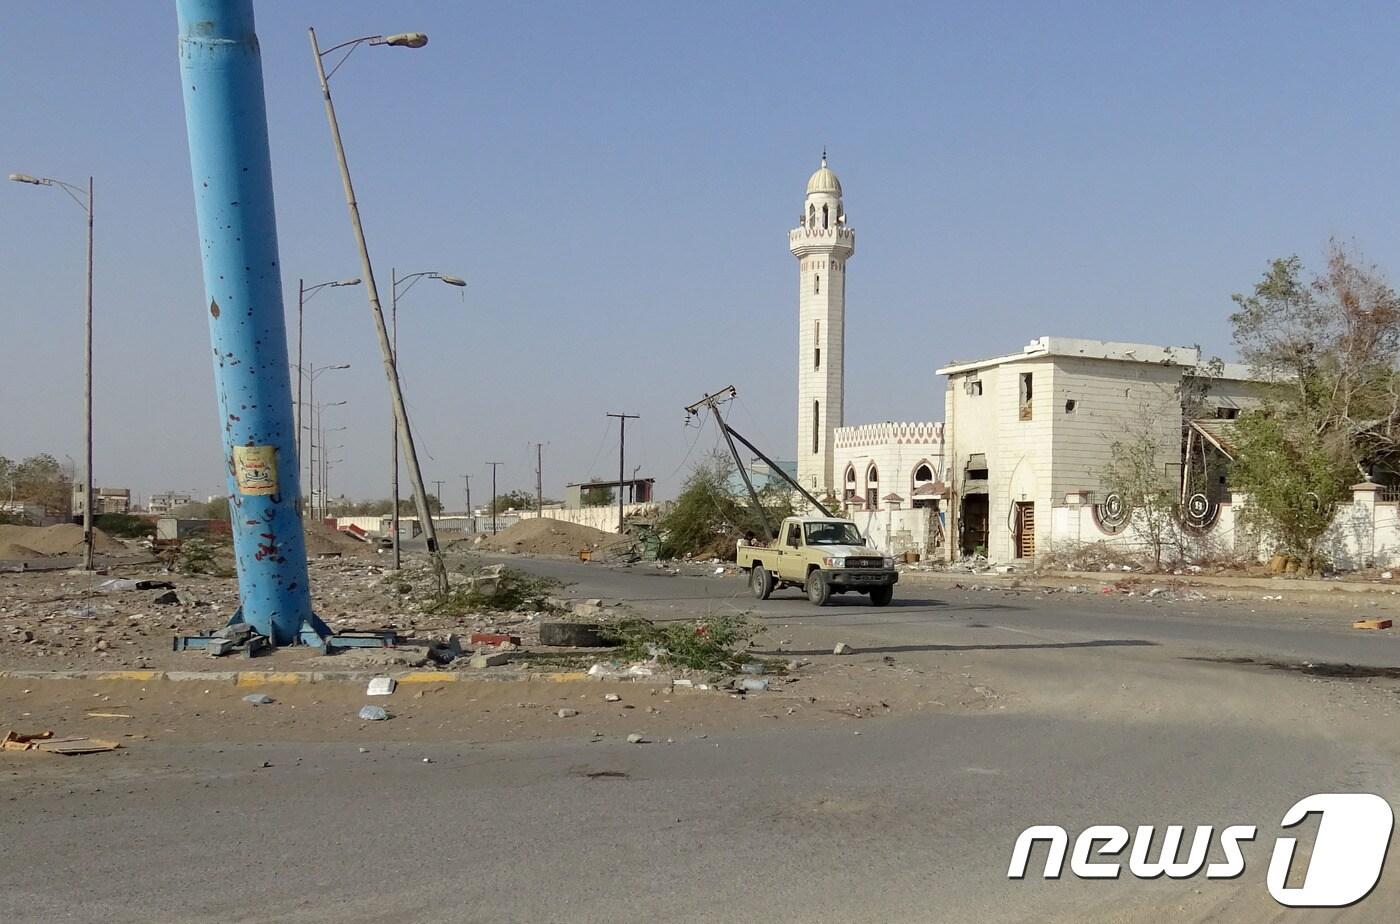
(616, 181)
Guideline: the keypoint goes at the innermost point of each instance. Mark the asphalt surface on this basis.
(936, 617)
(1098, 711)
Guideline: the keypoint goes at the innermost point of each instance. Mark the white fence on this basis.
(1365, 533)
(604, 518)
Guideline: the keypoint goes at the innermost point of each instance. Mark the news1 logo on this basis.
(1353, 836)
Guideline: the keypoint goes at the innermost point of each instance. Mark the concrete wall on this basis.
(604, 518)
(894, 532)
(896, 449)
(1365, 533)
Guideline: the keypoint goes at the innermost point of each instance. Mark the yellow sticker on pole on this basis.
(255, 469)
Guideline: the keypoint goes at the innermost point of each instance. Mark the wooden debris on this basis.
(108, 715)
(14, 741)
(1371, 624)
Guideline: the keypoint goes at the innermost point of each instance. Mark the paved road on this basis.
(922, 615)
(1098, 713)
(911, 821)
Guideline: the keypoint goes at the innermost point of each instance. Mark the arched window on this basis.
(817, 284)
(850, 490)
(872, 486)
(811, 216)
(816, 426)
(923, 478)
(825, 222)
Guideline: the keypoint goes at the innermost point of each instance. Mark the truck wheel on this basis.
(818, 592)
(760, 582)
(881, 596)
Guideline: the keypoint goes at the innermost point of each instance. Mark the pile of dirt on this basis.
(13, 551)
(59, 539)
(326, 540)
(552, 537)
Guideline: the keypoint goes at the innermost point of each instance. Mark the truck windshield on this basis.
(833, 534)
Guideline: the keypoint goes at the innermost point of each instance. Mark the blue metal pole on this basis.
(221, 74)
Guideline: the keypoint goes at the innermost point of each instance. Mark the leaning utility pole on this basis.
(622, 459)
(493, 495)
(710, 402)
(728, 431)
(391, 367)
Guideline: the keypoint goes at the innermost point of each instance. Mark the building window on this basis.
(825, 215)
(1071, 405)
(817, 345)
(1227, 413)
(811, 216)
(974, 387)
(1027, 393)
(850, 490)
(872, 486)
(816, 426)
(817, 284)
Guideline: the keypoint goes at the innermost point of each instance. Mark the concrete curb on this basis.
(1060, 579)
(276, 678)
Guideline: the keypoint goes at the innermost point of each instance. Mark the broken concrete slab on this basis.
(492, 659)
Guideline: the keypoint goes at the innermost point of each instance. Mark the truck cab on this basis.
(821, 555)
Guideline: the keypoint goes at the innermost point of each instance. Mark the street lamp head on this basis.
(339, 366)
(453, 280)
(405, 39)
(347, 282)
(26, 178)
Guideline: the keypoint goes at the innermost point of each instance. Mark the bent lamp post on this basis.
(226, 119)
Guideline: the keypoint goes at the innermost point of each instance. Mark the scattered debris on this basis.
(842, 648)
(259, 699)
(567, 713)
(611, 698)
(169, 598)
(493, 659)
(637, 739)
(494, 638)
(373, 714)
(381, 686)
(574, 635)
(1371, 624)
(77, 745)
(753, 685)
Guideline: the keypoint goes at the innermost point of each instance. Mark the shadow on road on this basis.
(1014, 646)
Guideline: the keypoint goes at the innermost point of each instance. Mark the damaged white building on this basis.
(1030, 434)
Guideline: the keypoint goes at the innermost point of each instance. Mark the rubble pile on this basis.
(26, 542)
(553, 537)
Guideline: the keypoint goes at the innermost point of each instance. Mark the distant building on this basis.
(167, 501)
(635, 491)
(104, 500)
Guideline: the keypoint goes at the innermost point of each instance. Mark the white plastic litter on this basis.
(381, 686)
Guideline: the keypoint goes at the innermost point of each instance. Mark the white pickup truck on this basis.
(823, 556)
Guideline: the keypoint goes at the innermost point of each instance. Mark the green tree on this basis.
(1329, 346)
(39, 480)
(598, 496)
(1294, 476)
(710, 515)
